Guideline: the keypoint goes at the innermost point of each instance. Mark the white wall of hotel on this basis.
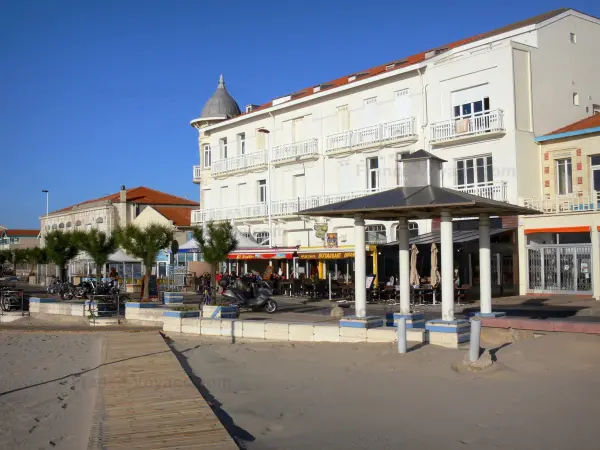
(319, 146)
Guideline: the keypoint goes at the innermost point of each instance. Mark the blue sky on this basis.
(98, 94)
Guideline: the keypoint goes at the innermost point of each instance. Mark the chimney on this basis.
(250, 108)
(123, 194)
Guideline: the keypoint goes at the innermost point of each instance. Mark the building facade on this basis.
(560, 248)
(13, 239)
(476, 103)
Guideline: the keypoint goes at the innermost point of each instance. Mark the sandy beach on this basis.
(542, 393)
(47, 389)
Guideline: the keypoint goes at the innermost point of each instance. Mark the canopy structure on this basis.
(121, 257)
(458, 236)
(417, 202)
(244, 243)
(422, 202)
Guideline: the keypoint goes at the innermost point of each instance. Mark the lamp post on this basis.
(268, 133)
(45, 232)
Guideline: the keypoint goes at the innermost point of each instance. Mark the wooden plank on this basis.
(147, 401)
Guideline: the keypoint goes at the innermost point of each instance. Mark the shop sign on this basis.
(332, 240)
(259, 256)
(327, 255)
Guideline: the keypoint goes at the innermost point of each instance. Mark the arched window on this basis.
(68, 224)
(413, 230)
(78, 223)
(262, 237)
(99, 220)
(61, 226)
(54, 227)
(375, 234)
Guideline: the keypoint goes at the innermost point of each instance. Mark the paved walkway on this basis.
(146, 400)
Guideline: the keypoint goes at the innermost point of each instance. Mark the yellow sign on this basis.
(327, 255)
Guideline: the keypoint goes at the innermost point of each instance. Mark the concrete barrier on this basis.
(178, 322)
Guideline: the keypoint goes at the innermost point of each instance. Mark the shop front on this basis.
(320, 261)
(258, 259)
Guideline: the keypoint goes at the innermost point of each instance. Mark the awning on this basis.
(326, 255)
(457, 236)
(190, 246)
(585, 229)
(263, 253)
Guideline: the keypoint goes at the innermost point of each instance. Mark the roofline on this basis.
(320, 94)
(207, 119)
(416, 66)
(550, 137)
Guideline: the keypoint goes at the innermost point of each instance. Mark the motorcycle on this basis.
(252, 296)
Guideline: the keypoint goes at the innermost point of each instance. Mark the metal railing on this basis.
(278, 207)
(295, 150)
(197, 172)
(496, 190)
(468, 126)
(361, 137)
(565, 204)
(254, 159)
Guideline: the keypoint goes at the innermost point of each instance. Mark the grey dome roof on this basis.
(220, 104)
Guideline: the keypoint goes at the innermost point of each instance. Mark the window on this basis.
(260, 140)
(595, 169)
(262, 237)
(54, 227)
(223, 148)
(370, 111)
(68, 224)
(99, 220)
(343, 118)
(14, 240)
(413, 230)
(575, 99)
(573, 38)
(399, 168)
(564, 180)
(375, 234)
(206, 156)
(78, 223)
(262, 191)
(298, 129)
(241, 142)
(470, 109)
(373, 173)
(61, 226)
(477, 171)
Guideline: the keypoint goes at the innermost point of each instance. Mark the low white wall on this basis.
(282, 331)
(57, 308)
(145, 316)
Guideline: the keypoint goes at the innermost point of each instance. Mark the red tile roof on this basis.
(181, 217)
(410, 60)
(142, 195)
(583, 124)
(22, 233)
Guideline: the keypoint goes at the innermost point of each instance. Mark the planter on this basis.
(170, 298)
(220, 312)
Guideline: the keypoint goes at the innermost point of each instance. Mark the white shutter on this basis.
(224, 196)
(241, 193)
(370, 111)
(346, 177)
(343, 118)
(207, 199)
(469, 95)
(298, 129)
(260, 140)
(403, 103)
(287, 133)
(299, 186)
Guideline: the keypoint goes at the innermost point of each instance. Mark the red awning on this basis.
(260, 256)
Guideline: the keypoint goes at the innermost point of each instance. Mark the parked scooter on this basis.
(254, 296)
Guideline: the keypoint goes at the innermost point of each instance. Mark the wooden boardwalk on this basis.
(146, 400)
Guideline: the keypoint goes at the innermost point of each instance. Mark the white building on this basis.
(476, 103)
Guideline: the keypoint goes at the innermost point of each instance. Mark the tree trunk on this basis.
(98, 273)
(146, 295)
(213, 283)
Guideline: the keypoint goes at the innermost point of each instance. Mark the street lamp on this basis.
(268, 133)
(47, 192)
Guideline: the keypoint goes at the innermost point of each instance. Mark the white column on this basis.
(447, 245)
(595, 269)
(287, 269)
(360, 268)
(485, 267)
(245, 267)
(404, 277)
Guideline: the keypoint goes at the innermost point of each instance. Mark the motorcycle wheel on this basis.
(5, 304)
(271, 306)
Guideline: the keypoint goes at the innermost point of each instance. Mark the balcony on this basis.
(197, 173)
(496, 190)
(279, 208)
(565, 204)
(375, 136)
(485, 126)
(252, 211)
(296, 151)
(246, 163)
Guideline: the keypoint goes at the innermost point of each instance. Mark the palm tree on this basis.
(99, 246)
(145, 243)
(61, 247)
(216, 244)
(18, 256)
(5, 255)
(35, 256)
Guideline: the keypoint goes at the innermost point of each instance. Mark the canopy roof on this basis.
(122, 257)
(417, 202)
(457, 236)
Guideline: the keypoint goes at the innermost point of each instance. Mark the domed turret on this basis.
(221, 104)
